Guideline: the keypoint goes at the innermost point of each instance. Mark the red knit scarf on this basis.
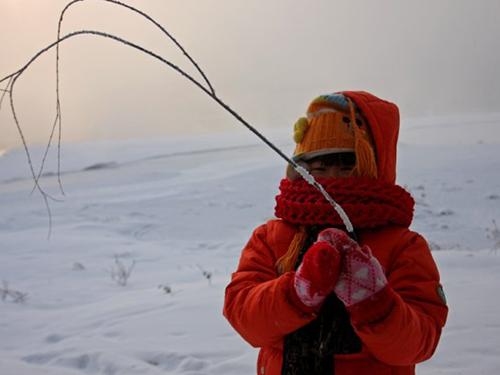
(368, 202)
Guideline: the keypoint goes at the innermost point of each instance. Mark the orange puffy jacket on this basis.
(258, 306)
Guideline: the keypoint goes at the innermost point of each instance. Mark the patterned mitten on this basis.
(317, 275)
(361, 276)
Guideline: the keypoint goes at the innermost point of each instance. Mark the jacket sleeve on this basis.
(415, 308)
(257, 301)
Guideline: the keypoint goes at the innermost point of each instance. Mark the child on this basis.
(315, 301)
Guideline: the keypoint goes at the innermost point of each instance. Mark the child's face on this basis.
(331, 165)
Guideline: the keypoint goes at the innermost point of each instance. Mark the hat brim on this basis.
(313, 154)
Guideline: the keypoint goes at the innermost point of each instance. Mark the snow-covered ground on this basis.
(179, 212)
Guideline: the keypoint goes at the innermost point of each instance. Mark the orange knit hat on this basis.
(333, 125)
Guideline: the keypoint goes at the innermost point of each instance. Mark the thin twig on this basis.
(23, 139)
(44, 194)
(14, 76)
(5, 92)
(309, 178)
(159, 26)
(47, 148)
(58, 119)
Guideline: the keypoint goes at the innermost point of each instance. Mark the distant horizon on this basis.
(407, 123)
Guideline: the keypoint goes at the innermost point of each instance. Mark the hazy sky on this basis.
(266, 58)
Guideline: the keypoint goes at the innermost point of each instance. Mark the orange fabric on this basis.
(259, 307)
(363, 148)
(258, 301)
(383, 119)
(324, 131)
(329, 128)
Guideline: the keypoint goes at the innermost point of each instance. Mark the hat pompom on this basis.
(299, 129)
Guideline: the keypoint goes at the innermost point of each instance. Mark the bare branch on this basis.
(15, 295)
(44, 194)
(149, 18)
(47, 148)
(18, 73)
(12, 79)
(58, 119)
(7, 90)
(121, 273)
(209, 91)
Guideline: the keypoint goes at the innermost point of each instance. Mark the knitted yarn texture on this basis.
(368, 202)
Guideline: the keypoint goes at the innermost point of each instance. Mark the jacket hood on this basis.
(383, 121)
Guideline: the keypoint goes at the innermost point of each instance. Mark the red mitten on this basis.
(317, 275)
(361, 276)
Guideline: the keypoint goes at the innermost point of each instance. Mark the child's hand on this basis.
(361, 275)
(317, 275)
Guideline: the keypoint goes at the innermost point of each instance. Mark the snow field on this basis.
(181, 210)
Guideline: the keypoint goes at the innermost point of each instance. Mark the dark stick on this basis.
(45, 196)
(58, 119)
(301, 171)
(170, 64)
(153, 22)
(5, 91)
